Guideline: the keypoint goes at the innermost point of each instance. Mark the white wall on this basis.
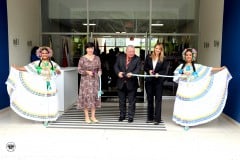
(210, 26)
(24, 23)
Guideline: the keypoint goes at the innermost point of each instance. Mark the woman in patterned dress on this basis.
(201, 93)
(32, 88)
(89, 66)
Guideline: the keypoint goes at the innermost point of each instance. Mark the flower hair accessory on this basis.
(192, 50)
(40, 49)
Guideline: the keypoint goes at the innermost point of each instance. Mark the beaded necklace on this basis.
(44, 69)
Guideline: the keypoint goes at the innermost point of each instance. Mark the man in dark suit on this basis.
(126, 65)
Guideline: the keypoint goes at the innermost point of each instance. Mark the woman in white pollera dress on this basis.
(202, 91)
(32, 88)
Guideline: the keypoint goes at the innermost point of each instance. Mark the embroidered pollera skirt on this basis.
(201, 101)
(30, 97)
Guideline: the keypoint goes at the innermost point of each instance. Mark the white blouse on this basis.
(154, 63)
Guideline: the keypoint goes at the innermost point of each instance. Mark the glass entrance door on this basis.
(108, 46)
(117, 24)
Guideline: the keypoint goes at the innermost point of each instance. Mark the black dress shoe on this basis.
(156, 123)
(121, 119)
(130, 120)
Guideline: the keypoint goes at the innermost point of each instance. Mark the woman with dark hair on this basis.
(197, 85)
(89, 66)
(32, 88)
(155, 64)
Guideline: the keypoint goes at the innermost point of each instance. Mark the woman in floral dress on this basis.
(89, 67)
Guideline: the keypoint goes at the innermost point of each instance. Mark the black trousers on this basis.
(154, 89)
(123, 94)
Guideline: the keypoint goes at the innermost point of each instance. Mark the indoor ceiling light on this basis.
(90, 24)
(157, 24)
(120, 32)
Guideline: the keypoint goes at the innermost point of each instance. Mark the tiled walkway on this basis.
(217, 140)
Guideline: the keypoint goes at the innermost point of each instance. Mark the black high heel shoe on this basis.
(149, 121)
(121, 119)
(130, 120)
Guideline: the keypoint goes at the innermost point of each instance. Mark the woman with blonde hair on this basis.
(155, 64)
